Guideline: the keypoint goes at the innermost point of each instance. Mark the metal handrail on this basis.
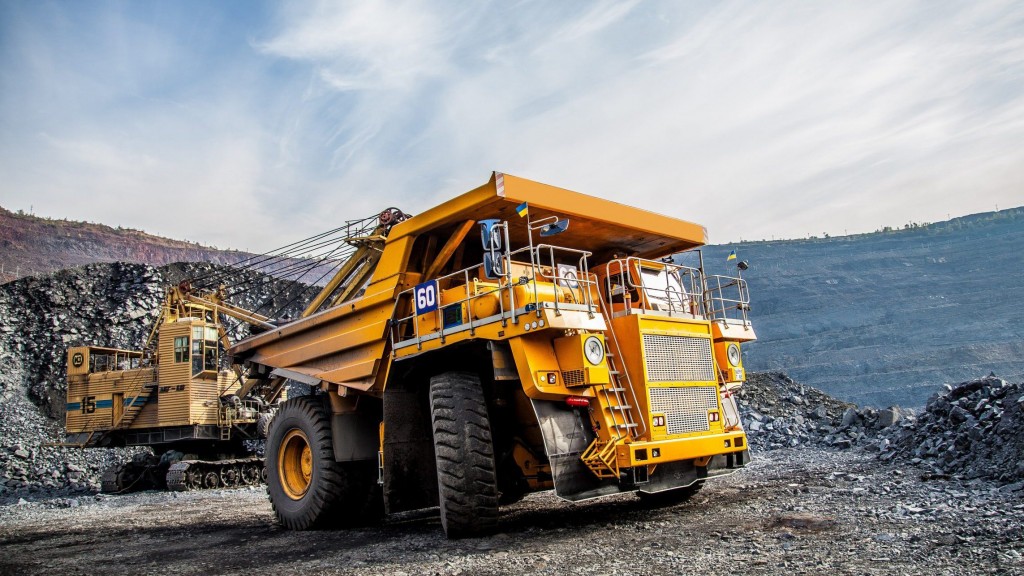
(623, 371)
(690, 279)
(581, 280)
(727, 298)
(585, 281)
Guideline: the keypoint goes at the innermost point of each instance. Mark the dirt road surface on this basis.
(802, 511)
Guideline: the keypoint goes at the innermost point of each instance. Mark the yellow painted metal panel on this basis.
(90, 397)
(682, 448)
(342, 345)
(149, 416)
(78, 360)
(597, 224)
(175, 403)
(535, 355)
(204, 401)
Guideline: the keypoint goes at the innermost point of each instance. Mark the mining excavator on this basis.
(179, 394)
(173, 395)
(565, 346)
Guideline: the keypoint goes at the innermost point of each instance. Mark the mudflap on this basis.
(681, 474)
(567, 434)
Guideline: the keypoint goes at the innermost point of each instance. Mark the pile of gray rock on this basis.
(778, 412)
(971, 430)
(111, 305)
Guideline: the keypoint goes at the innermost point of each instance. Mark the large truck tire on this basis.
(308, 489)
(263, 423)
(464, 451)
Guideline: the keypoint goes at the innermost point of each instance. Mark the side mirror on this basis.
(556, 227)
(490, 234)
(494, 265)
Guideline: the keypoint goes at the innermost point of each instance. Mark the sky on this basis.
(251, 124)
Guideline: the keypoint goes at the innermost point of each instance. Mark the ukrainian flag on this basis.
(522, 209)
(732, 256)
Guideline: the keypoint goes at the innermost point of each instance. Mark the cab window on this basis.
(663, 290)
(181, 349)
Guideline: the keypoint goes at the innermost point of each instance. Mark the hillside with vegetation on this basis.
(31, 245)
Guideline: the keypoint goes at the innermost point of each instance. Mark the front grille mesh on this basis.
(685, 407)
(678, 358)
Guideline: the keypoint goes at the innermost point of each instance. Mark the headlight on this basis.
(593, 349)
(733, 352)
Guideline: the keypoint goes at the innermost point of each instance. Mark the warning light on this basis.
(577, 401)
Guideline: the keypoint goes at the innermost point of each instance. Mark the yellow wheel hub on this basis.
(295, 464)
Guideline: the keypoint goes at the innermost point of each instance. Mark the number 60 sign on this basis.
(425, 296)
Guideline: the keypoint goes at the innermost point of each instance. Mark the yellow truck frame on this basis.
(560, 348)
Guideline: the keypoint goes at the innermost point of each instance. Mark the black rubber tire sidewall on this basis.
(314, 509)
(464, 453)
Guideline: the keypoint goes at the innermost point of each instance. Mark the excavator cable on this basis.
(255, 261)
(324, 253)
(298, 265)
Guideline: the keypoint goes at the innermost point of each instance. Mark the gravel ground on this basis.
(806, 510)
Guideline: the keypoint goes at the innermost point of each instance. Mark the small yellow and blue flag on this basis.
(732, 256)
(522, 209)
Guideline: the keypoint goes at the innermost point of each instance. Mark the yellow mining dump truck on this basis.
(516, 338)
(175, 396)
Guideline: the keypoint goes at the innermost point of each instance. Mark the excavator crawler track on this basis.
(210, 474)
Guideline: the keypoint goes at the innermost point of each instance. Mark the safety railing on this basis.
(547, 263)
(663, 287)
(400, 327)
(578, 282)
(727, 299)
(103, 360)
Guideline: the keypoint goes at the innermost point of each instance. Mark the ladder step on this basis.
(623, 407)
(626, 425)
(614, 372)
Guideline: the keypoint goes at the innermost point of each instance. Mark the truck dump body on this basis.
(346, 345)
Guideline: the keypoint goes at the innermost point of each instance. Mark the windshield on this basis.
(663, 290)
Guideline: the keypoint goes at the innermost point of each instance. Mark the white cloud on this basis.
(757, 120)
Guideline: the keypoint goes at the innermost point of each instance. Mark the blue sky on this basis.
(249, 124)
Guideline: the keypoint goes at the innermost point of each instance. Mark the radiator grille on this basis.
(678, 359)
(573, 377)
(685, 407)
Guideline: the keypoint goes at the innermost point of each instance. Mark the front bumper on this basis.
(674, 450)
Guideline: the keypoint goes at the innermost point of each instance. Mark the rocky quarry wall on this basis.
(973, 430)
